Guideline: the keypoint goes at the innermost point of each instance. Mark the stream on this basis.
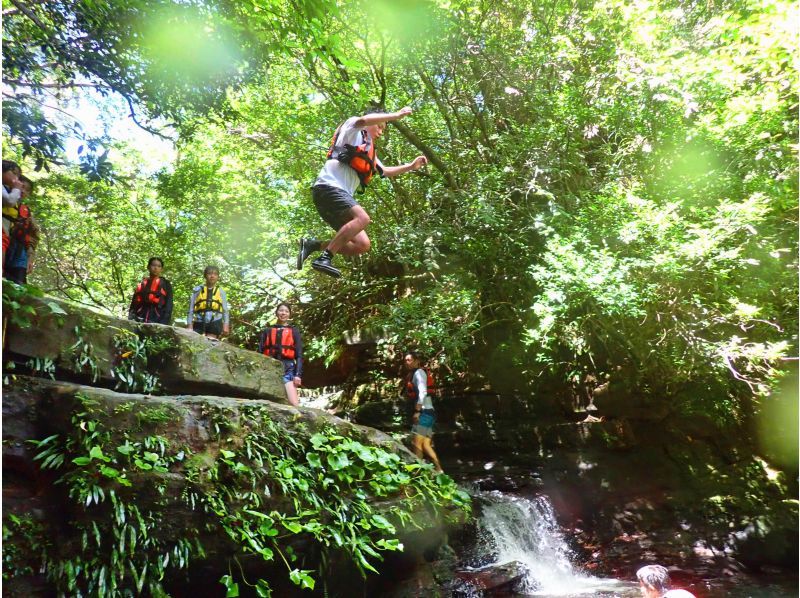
(525, 530)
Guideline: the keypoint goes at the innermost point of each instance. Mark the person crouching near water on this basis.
(419, 387)
(283, 342)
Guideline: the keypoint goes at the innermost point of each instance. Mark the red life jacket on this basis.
(360, 158)
(279, 342)
(150, 292)
(23, 226)
(411, 390)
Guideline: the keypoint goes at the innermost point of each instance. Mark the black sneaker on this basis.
(307, 247)
(323, 264)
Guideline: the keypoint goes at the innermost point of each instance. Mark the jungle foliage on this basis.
(612, 187)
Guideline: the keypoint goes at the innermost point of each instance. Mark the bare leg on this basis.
(351, 239)
(416, 445)
(428, 447)
(291, 393)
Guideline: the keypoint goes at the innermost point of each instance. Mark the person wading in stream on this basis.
(654, 582)
(284, 343)
(350, 165)
(419, 388)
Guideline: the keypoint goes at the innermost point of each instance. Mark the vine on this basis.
(132, 355)
(263, 489)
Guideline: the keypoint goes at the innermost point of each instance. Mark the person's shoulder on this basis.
(197, 289)
(678, 594)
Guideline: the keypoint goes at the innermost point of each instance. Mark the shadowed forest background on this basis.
(611, 191)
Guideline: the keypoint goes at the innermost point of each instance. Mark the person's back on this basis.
(678, 594)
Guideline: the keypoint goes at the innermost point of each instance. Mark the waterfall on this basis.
(525, 530)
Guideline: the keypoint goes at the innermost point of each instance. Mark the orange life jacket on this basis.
(411, 390)
(360, 158)
(150, 292)
(279, 342)
(23, 226)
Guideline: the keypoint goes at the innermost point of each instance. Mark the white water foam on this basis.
(525, 530)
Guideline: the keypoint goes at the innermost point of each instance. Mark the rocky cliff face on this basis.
(204, 480)
(644, 485)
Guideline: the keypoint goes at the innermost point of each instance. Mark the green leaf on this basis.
(97, 453)
(231, 586)
(338, 461)
(55, 308)
(81, 461)
(262, 589)
(109, 472)
(302, 578)
(292, 526)
(125, 449)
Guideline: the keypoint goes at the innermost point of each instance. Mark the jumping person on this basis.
(284, 343)
(419, 387)
(152, 299)
(351, 163)
(208, 307)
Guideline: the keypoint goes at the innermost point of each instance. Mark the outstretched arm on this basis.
(381, 117)
(418, 163)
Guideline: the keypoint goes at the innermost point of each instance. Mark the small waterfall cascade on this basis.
(520, 529)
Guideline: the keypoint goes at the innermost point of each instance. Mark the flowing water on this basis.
(525, 530)
(514, 528)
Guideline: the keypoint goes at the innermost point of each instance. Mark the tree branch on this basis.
(428, 152)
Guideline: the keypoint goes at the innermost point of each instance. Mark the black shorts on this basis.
(333, 204)
(213, 327)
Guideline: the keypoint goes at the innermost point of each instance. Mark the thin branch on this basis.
(428, 152)
(15, 82)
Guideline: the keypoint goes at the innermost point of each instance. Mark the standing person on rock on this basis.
(208, 307)
(152, 299)
(419, 388)
(284, 343)
(21, 251)
(351, 163)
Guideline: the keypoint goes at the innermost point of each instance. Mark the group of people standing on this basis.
(209, 315)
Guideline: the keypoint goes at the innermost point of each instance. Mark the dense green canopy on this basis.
(612, 185)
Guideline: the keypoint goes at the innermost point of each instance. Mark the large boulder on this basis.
(85, 345)
(206, 477)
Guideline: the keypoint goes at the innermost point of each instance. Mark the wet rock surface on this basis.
(82, 344)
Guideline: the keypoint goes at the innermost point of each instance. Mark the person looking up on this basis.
(152, 299)
(351, 163)
(419, 388)
(208, 307)
(284, 343)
